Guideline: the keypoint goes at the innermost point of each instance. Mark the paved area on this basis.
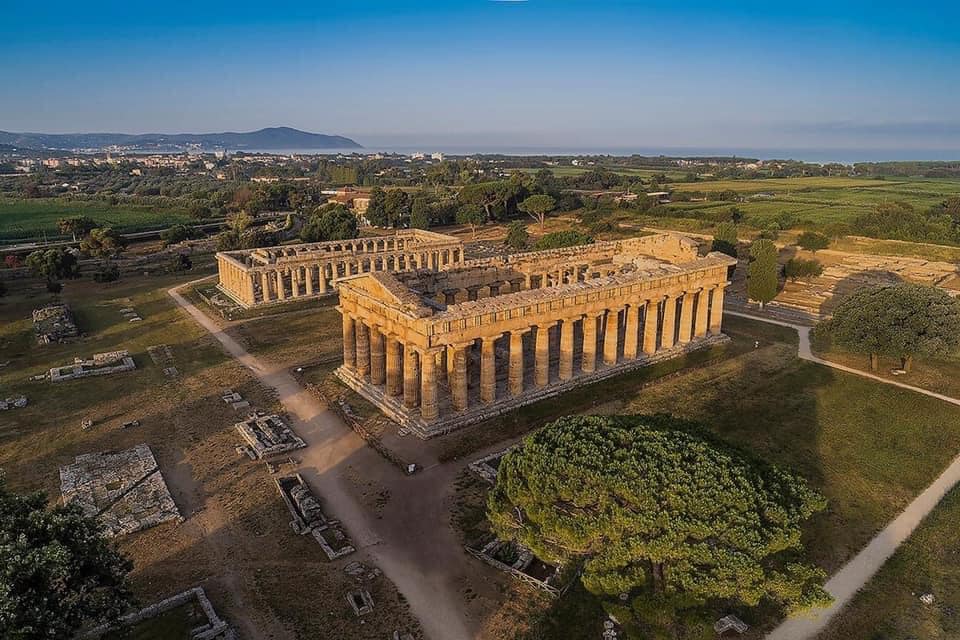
(411, 540)
(853, 576)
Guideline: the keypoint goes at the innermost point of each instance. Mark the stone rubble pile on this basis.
(16, 402)
(54, 323)
(125, 490)
(308, 517)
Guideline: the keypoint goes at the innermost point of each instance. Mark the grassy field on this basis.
(889, 607)
(623, 171)
(818, 200)
(21, 218)
(236, 540)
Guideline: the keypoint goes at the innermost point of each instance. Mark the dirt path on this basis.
(410, 540)
(853, 576)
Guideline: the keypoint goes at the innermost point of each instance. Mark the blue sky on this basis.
(572, 73)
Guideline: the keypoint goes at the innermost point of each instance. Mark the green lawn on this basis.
(171, 625)
(889, 607)
(23, 218)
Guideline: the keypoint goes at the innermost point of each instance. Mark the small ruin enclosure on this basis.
(124, 490)
(210, 626)
(272, 275)
(101, 364)
(268, 435)
(54, 323)
(436, 349)
(308, 517)
(486, 467)
(16, 402)
(520, 562)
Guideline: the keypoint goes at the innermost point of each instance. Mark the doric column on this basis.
(703, 306)
(488, 370)
(611, 337)
(588, 363)
(450, 296)
(458, 383)
(377, 357)
(322, 272)
(542, 363)
(667, 336)
(716, 310)
(686, 317)
(281, 287)
(311, 285)
(265, 286)
(631, 338)
(349, 342)
(363, 349)
(566, 349)
(248, 294)
(650, 317)
(295, 282)
(428, 387)
(393, 373)
(411, 377)
(516, 362)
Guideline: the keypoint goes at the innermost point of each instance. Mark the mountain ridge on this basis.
(272, 138)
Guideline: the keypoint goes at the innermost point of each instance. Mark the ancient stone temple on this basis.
(439, 349)
(271, 275)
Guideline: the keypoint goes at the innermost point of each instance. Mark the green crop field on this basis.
(29, 218)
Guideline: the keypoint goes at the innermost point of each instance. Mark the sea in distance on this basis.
(822, 156)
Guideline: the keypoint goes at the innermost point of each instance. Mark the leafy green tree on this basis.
(762, 275)
(799, 269)
(484, 195)
(560, 239)
(53, 264)
(900, 321)
(176, 233)
(397, 204)
(77, 226)
(104, 242)
(538, 206)
(377, 209)
(57, 570)
(813, 241)
(331, 223)
(420, 213)
(239, 222)
(650, 504)
(517, 236)
(472, 216)
(725, 239)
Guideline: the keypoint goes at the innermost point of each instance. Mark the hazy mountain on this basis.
(272, 138)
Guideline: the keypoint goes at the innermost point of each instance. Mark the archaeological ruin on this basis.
(455, 343)
(272, 275)
(124, 490)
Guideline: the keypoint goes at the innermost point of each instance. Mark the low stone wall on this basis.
(395, 409)
(216, 626)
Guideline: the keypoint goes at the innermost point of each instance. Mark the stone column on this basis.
(311, 285)
(428, 387)
(363, 349)
(349, 342)
(488, 370)
(265, 286)
(686, 318)
(458, 383)
(248, 295)
(611, 336)
(589, 362)
(516, 362)
(295, 282)
(631, 339)
(281, 287)
(566, 349)
(377, 357)
(716, 310)
(542, 363)
(669, 322)
(411, 377)
(322, 272)
(394, 374)
(703, 307)
(650, 317)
